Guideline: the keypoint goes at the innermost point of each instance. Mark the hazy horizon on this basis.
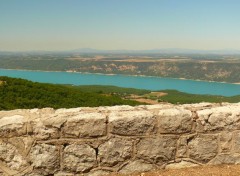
(60, 25)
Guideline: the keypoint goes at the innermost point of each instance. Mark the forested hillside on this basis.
(20, 93)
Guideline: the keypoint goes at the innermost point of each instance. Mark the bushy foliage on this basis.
(19, 93)
(177, 97)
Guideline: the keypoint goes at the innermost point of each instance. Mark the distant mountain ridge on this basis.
(151, 51)
(160, 51)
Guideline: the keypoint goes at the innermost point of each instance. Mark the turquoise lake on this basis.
(150, 83)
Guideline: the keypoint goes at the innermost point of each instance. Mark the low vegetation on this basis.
(20, 93)
(169, 96)
(176, 97)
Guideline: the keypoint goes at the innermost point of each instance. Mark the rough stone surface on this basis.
(115, 151)
(179, 165)
(42, 131)
(225, 142)
(132, 123)
(203, 148)
(98, 173)
(236, 142)
(158, 149)
(79, 158)
(11, 126)
(175, 120)
(136, 166)
(45, 159)
(11, 157)
(226, 159)
(182, 147)
(85, 125)
(98, 141)
(219, 118)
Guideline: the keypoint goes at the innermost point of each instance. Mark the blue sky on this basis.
(119, 24)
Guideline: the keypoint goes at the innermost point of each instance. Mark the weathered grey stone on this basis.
(10, 157)
(60, 116)
(158, 149)
(225, 159)
(116, 108)
(198, 106)
(67, 112)
(85, 125)
(236, 142)
(42, 131)
(175, 120)
(14, 125)
(79, 158)
(136, 166)
(203, 148)
(33, 174)
(158, 106)
(218, 118)
(114, 151)
(64, 174)
(55, 120)
(216, 139)
(132, 123)
(23, 144)
(182, 164)
(225, 142)
(45, 159)
(182, 147)
(98, 173)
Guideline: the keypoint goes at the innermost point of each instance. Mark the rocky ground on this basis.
(220, 170)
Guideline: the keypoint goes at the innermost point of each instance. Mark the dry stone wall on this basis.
(125, 139)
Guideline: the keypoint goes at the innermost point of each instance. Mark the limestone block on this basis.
(175, 120)
(45, 159)
(114, 151)
(79, 158)
(198, 106)
(68, 112)
(97, 173)
(158, 106)
(136, 166)
(181, 164)
(55, 120)
(14, 125)
(42, 131)
(85, 125)
(116, 108)
(236, 142)
(23, 144)
(203, 148)
(225, 159)
(218, 118)
(11, 157)
(225, 142)
(64, 174)
(132, 123)
(182, 147)
(157, 149)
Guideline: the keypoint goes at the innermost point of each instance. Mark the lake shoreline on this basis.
(238, 83)
(152, 83)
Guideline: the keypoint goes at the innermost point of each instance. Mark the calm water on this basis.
(150, 83)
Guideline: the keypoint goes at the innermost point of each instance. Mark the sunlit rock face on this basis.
(124, 139)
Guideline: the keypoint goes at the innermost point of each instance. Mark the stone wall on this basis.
(125, 139)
